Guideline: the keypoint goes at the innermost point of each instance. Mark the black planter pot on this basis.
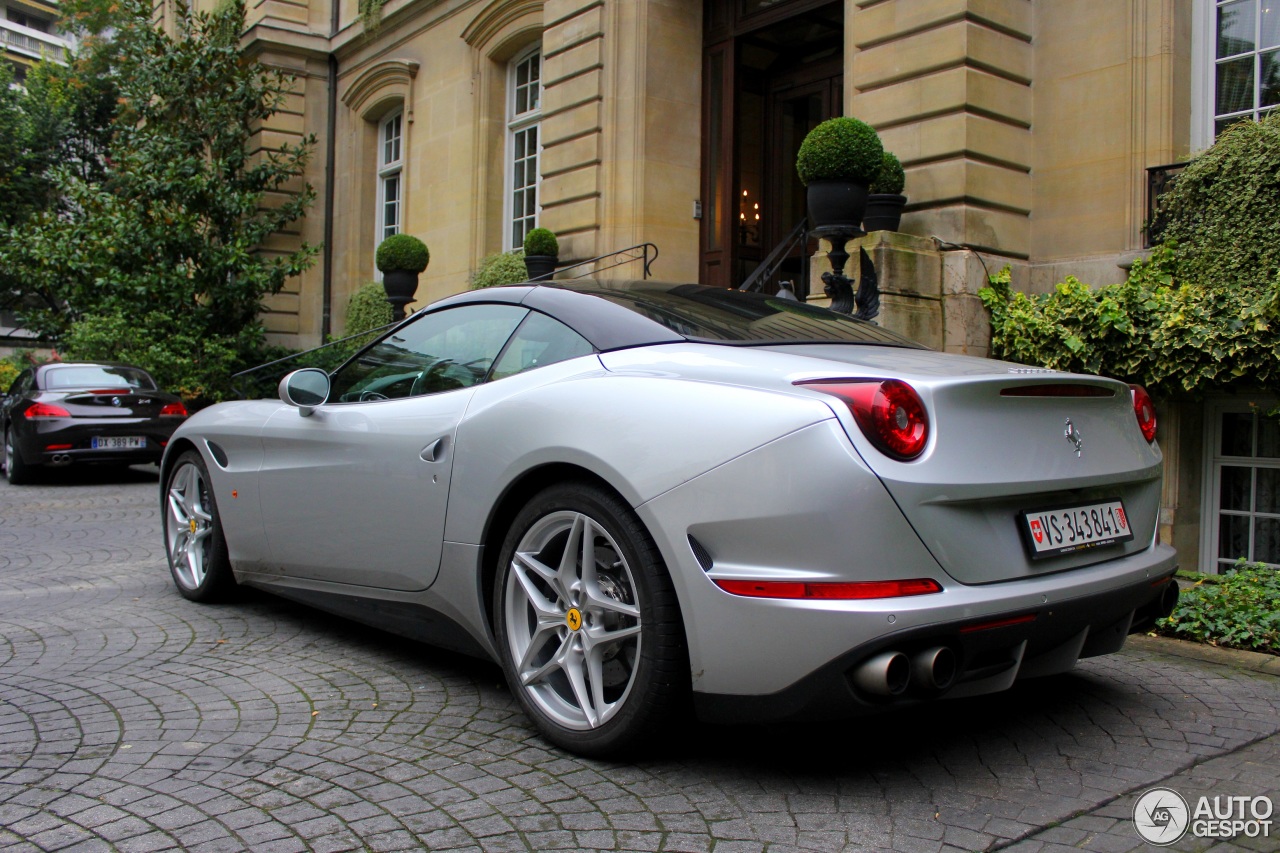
(540, 265)
(838, 203)
(884, 212)
(400, 286)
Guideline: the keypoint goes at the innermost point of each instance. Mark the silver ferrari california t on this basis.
(642, 499)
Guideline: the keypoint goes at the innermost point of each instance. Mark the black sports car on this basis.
(63, 413)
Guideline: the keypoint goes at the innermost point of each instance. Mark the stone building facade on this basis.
(1027, 129)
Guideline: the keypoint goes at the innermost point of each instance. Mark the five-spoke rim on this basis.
(189, 525)
(573, 620)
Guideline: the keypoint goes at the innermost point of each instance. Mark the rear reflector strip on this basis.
(1057, 391)
(831, 591)
(57, 447)
(999, 623)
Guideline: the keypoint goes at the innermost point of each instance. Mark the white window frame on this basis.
(522, 123)
(1214, 461)
(391, 161)
(1204, 62)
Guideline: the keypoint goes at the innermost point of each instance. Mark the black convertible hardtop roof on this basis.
(617, 314)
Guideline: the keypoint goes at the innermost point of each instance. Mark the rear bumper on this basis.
(991, 651)
(48, 443)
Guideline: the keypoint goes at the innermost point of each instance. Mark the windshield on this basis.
(97, 376)
(702, 313)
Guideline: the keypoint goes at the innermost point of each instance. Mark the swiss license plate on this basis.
(118, 442)
(1066, 530)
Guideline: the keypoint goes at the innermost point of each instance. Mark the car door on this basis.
(356, 491)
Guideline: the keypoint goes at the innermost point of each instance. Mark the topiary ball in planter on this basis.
(541, 249)
(401, 257)
(885, 203)
(402, 252)
(891, 178)
(837, 161)
(540, 241)
(840, 149)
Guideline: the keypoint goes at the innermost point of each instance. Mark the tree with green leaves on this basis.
(168, 239)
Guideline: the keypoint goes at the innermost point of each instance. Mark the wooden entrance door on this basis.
(766, 84)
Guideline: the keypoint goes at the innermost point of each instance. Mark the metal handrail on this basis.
(765, 271)
(1159, 181)
(643, 256)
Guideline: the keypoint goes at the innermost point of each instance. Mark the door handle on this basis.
(434, 451)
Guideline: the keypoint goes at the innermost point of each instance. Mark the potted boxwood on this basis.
(541, 251)
(885, 201)
(401, 257)
(837, 161)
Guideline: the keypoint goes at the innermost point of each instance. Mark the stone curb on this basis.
(1235, 658)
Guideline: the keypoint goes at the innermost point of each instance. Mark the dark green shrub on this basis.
(367, 309)
(840, 149)
(1148, 329)
(402, 252)
(1203, 314)
(1239, 610)
(500, 268)
(1224, 209)
(540, 241)
(891, 178)
(196, 366)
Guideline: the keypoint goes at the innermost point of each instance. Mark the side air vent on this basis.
(703, 557)
(219, 455)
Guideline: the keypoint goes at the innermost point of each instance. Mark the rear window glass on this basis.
(94, 376)
(706, 313)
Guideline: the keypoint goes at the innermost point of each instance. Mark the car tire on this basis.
(594, 650)
(193, 537)
(17, 472)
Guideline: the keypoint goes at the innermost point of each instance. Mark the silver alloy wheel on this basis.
(189, 525)
(8, 455)
(573, 620)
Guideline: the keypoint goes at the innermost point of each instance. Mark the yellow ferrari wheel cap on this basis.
(573, 619)
(193, 525)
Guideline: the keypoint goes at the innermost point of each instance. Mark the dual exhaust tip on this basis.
(60, 459)
(891, 673)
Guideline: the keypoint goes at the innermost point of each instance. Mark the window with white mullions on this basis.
(524, 115)
(1245, 484)
(1246, 60)
(390, 175)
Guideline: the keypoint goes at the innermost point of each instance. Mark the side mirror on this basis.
(305, 389)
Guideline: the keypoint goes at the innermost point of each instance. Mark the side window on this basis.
(22, 383)
(538, 342)
(441, 351)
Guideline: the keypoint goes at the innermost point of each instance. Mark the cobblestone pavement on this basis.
(131, 719)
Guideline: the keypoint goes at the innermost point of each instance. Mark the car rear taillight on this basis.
(40, 411)
(831, 591)
(1145, 411)
(889, 412)
(174, 410)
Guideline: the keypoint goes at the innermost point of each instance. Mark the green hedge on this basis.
(1239, 610)
(500, 268)
(1202, 314)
